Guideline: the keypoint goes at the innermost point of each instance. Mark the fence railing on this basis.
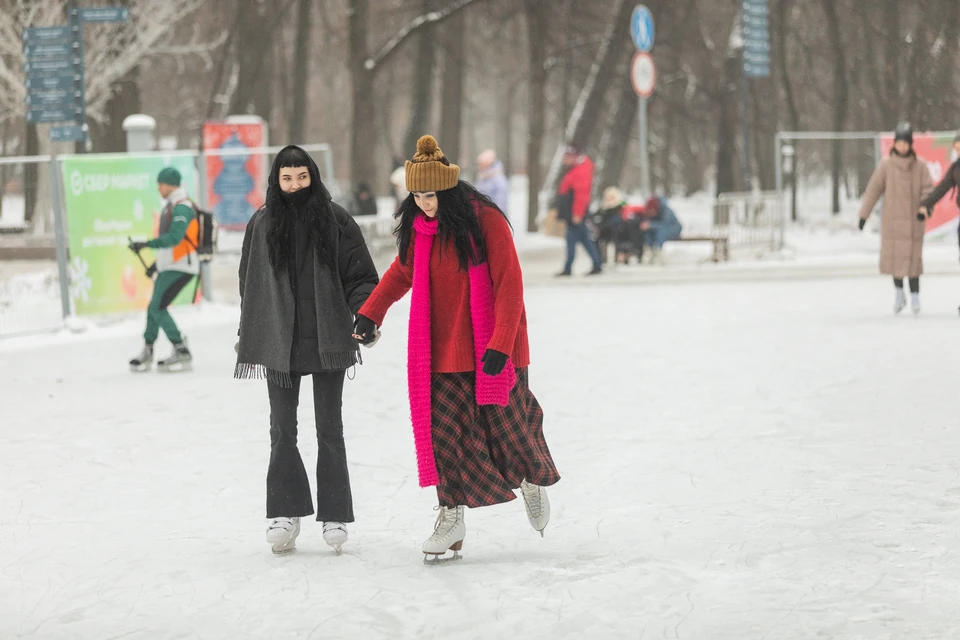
(34, 295)
(749, 219)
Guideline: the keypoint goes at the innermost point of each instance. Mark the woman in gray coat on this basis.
(304, 273)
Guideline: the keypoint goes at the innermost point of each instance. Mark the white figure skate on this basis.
(899, 301)
(335, 535)
(448, 534)
(538, 505)
(282, 534)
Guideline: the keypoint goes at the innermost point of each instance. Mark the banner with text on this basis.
(107, 201)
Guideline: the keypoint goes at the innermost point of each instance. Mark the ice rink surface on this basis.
(739, 460)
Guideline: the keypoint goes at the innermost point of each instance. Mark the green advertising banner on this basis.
(107, 201)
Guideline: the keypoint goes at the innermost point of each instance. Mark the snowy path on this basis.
(765, 460)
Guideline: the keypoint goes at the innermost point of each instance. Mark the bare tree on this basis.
(111, 51)
(301, 77)
(840, 97)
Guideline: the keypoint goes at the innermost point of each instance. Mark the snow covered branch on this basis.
(111, 50)
(431, 18)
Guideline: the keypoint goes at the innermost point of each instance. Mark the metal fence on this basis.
(34, 293)
(749, 220)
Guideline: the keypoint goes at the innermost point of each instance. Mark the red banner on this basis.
(937, 151)
(236, 184)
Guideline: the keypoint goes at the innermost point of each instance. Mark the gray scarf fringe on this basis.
(336, 361)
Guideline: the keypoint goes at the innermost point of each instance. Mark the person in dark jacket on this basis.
(661, 226)
(304, 274)
(950, 181)
(364, 201)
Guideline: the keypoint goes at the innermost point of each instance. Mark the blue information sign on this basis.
(756, 38)
(642, 29)
(104, 14)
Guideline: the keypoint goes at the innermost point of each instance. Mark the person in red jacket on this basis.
(572, 203)
(478, 429)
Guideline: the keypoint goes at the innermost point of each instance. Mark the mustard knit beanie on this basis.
(426, 173)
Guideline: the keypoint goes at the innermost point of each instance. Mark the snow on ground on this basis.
(739, 460)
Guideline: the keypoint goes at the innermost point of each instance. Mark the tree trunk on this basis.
(764, 99)
(422, 97)
(31, 175)
(616, 139)
(363, 133)
(783, 21)
(451, 115)
(890, 102)
(254, 92)
(301, 75)
(537, 30)
(582, 123)
(126, 100)
(727, 125)
(840, 96)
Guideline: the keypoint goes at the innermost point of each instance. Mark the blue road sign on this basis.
(642, 29)
(68, 133)
(42, 65)
(55, 80)
(45, 115)
(104, 14)
(55, 97)
(44, 35)
(45, 50)
(756, 38)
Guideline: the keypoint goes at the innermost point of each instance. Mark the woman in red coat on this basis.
(478, 429)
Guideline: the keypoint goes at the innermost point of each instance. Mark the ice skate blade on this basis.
(284, 549)
(179, 368)
(139, 368)
(436, 559)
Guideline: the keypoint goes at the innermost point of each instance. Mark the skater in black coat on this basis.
(305, 271)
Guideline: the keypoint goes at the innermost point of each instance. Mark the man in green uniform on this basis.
(176, 266)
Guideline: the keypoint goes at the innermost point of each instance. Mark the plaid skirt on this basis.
(483, 452)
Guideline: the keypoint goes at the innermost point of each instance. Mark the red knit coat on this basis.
(451, 326)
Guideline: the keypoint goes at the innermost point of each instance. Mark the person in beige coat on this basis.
(903, 180)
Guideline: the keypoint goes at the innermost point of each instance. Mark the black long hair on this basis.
(456, 220)
(317, 212)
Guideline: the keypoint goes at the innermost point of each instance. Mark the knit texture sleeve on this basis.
(394, 285)
(507, 280)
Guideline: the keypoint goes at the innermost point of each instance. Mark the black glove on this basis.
(365, 330)
(493, 362)
(152, 270)
(137, 247)
(862, 224)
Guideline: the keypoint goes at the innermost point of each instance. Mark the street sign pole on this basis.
(644, 151)
(643, 74)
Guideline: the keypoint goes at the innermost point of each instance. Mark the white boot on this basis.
(282, 534)
(335, 535)
(538, 505)
(448, 534)
(915, 302)
(900, 300)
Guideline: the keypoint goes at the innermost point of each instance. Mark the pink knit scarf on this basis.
(490, 390)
